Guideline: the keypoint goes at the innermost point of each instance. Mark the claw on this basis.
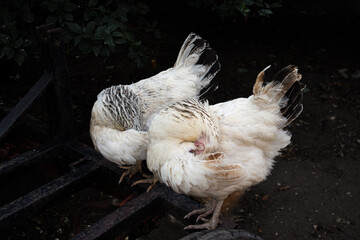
(213, 207)
(205, 220)
(131, 171)
(200, 226)
(124, 167)
(197, 211)
(151, 180)
(123, 176)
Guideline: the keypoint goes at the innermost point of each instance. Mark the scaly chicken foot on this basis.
(131, 170)
(214, 220)
(204, 212)
(152, 180)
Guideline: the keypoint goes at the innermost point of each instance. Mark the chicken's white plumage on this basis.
(121, 115)
(213, 151)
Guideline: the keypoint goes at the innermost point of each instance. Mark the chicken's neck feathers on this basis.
(119, 108)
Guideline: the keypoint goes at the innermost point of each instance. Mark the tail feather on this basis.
(294, 97)
(285, 90)
(197, 54)
(294, 114)
(289, 76)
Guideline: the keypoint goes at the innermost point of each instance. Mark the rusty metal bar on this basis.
(26, 159)
(40, 197)
(24, 104)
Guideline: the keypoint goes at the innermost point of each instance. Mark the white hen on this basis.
(121, 115)
(213, 151)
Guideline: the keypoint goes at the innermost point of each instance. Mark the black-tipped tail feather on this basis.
(293, 95)
(294, 106)
(284, 89)
(196, 51)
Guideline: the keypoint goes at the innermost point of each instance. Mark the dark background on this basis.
(313, 191)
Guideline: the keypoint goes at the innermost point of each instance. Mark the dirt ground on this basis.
(313, 190)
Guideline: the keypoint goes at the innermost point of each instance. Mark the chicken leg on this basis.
(213, 207)
(131, 170)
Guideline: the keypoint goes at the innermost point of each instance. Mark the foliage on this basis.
(98, 27)
(233, 8)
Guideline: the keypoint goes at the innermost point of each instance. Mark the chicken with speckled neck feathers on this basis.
(121, 114)
(212, 151)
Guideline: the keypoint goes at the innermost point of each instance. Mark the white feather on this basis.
(243, 137)
(121, 115)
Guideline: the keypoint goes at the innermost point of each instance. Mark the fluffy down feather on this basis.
(213, 151)
(121, 114)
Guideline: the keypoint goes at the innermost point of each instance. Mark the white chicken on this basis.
(121, 114)
(213, 151)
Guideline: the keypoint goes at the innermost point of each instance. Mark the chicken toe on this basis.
(214, 220)
(204, 212)
(131, 170)
(150, 180)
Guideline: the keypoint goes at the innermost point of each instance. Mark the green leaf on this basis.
(18, 43)
(109, 40)
(67, 36)
(68, 17)
(117, 34)
(142, 8)
(112, 26)
(129, 36)
(4, 52)
(92, 3)
(90, 26)
(77, 40)
(69, 7)
(96, 49)
(74, 27)
(102, 9)
(84, 47)
(136, 44)
(99, 33)
(120, 41)
(87, 15)
(265, 12)
(121, 13)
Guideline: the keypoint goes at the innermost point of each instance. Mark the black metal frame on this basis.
(62, 131)
(53, 48)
